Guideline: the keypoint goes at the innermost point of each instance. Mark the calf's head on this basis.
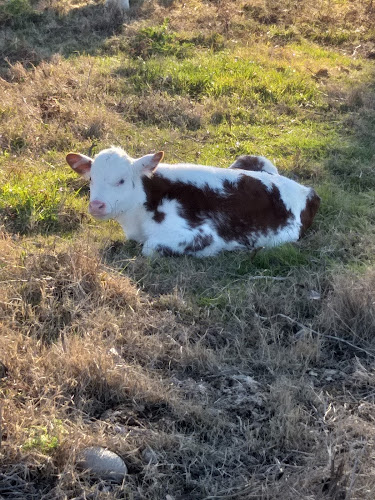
(115, 179)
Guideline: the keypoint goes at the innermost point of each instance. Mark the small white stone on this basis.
(104, 463)
(313, 295)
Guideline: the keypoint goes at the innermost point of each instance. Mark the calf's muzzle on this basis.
(97, 207)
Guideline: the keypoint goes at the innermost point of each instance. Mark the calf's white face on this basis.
(115, 180)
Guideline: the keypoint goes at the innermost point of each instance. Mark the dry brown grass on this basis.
(325, 22)
(199, 402)
(51, 101)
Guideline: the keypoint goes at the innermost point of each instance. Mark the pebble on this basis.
(103, 463)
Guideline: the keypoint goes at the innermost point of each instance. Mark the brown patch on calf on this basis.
(158, 216)
(252, 208)
(166, 251)
(200, 242)
(244, 209)
(309, 212)
(247, 162)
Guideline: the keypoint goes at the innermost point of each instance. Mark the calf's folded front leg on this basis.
(152, 249)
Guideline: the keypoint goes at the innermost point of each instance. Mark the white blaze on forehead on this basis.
(110, 163)
(112, 153)
(114, 162)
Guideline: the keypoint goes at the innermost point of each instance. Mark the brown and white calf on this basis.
(195, 209)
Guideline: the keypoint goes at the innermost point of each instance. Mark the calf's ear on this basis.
(80, 164)
(149, 163)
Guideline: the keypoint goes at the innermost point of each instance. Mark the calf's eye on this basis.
(120, 182)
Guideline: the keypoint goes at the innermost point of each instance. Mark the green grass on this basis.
(43, 439)
(238, 73)
(41, 202)
(158, 40)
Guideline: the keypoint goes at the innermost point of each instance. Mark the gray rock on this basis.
(103, 463)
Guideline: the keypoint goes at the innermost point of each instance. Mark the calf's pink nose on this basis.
(96, 207)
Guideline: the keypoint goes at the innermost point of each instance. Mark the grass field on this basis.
(236, 377)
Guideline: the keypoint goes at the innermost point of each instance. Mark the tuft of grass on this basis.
(43, 439)
(158, 40)
(41, 203)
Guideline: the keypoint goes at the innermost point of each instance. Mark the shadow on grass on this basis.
(29, 36)
(352, 159)
(25, 220)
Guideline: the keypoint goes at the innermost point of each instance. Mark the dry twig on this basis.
(315, 332)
